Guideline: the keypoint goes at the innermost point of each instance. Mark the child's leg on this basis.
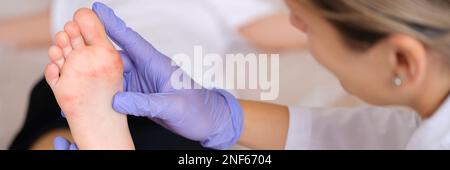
(85, 73)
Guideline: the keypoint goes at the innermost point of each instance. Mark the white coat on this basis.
(368, 128)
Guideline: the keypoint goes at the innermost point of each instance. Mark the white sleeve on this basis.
(238, 13)
(350, 128)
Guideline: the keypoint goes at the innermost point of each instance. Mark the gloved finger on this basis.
(73, 147)
(127, 64)
(61, 143)
(63, 114)
(156, 105)
(125, 37)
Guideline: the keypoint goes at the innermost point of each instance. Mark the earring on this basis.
(398, 81)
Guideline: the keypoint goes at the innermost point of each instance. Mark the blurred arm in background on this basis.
(274, 33)
(28, 31)
(271, 33)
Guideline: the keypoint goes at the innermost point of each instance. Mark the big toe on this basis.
(91, 28)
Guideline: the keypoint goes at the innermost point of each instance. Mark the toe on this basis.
(91, 28)
(52, 74)
(72, 29)
(63, 41)
(56, 56)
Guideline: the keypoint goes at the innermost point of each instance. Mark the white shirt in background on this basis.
(176, 26)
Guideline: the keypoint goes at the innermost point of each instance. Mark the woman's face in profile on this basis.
(362, 73)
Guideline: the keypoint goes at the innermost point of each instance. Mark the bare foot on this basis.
(85, 73)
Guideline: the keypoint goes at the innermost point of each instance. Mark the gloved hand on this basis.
(61, 143)
(213, 117)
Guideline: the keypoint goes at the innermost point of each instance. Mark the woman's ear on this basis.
(408, 60)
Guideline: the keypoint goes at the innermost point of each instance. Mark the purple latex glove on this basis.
(61, 143)
(213, 117)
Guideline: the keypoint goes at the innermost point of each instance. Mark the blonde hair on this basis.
(365, 22)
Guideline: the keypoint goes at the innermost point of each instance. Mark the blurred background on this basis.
(20, 69)
(173, 26)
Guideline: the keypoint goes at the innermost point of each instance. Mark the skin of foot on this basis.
(85, 72)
